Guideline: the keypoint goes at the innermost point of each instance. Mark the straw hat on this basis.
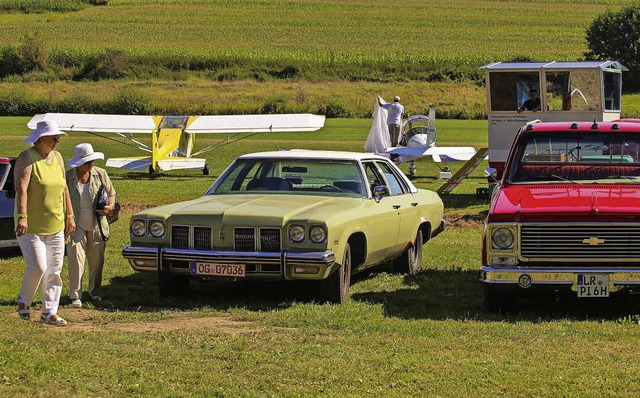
(82, 154)
(43, 129)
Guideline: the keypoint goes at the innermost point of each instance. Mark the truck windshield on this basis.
(581, 158)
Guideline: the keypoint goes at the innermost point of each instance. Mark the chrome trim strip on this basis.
(145, 253)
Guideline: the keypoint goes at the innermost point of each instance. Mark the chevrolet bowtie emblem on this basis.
(593, 241)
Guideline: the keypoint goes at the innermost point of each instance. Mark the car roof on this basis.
(622, 126)
(312, 154)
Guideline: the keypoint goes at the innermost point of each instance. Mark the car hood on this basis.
(558, 203)
(265, 210)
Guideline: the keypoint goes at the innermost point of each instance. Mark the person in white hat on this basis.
(43, 218)
(86, 182)
(394, 118)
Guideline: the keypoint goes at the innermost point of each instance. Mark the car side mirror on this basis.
(380, 192)
(491, 172)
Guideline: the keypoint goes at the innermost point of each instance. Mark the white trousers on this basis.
(44, 255)
(81, 248)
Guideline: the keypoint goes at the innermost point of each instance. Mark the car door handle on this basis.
(396, 207)
(414, 204)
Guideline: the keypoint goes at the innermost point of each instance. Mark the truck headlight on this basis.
(318, 234)
(502, 238)
(156, 229)
(296, 233)
(137, 228)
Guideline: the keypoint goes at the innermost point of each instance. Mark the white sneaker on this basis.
(76, 303)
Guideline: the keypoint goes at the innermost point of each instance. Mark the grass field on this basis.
(225, 57)
(398, 336)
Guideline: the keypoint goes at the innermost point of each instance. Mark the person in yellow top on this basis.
(43, 219)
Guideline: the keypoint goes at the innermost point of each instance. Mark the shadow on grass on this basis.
(440, 295)
(430, 294)
(138, 292)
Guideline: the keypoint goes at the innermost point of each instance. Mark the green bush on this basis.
(111, 64)
(129, 101)
(335, 108)
(615, 35)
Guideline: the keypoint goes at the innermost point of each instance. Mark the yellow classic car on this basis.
(289, 215)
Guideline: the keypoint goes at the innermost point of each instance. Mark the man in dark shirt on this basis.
(532, 104)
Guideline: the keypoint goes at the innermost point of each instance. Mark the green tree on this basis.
(615, 35)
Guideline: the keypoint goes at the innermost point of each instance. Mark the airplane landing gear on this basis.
(412, 168)
(206, 169)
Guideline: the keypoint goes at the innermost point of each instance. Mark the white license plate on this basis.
(213, 269)
(593, 285)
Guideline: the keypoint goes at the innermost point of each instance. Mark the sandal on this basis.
(53, 319)
(24, 312)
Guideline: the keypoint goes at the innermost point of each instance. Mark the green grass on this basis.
(398, 336)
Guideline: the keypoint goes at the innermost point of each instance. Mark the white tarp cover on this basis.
(378, 139)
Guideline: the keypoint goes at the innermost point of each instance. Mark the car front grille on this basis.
(268, 239)
(196, 237)
(580, 242)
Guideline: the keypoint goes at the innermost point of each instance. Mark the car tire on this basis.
(335, 289)
(496, 300)
(170, 285)
(410, 261)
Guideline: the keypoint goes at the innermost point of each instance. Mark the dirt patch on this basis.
(88, 320)
(132, 208)
(461, 221)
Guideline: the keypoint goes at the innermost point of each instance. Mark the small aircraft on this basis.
(172, 137)
(418, 139)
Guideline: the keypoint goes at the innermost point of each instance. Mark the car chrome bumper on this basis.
(567, 277)
(148, 258)
(8, 243)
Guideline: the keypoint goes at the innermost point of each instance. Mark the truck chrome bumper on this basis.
(149, 259)
(618, 277)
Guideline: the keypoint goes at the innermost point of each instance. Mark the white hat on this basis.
(82, 154)
(43, 129)
(396, 98)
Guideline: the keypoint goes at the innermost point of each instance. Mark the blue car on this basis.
(7, 198)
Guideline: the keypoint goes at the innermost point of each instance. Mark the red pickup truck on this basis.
(565, 217)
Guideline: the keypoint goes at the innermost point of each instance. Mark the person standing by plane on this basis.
(394, 118)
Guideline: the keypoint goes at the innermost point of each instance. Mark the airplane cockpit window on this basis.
(174, 122)
(509, 90)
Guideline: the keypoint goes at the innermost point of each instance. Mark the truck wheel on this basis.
(170, 285)
(335, 289)
(410, 261)
(496, 300)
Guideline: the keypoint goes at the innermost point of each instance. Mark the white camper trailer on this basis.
(568, 91)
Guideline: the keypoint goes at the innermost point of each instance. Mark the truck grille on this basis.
(245, 239)
(580, 242)
(186, 237)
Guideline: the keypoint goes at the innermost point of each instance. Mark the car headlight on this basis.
(296, 233)
(502, 238)
(156, 229)
(137, 228)
(318, 234)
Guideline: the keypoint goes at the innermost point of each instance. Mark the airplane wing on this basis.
(98, 123)
(198, 124)
(439, 154)
(167, 164)
(255, 123)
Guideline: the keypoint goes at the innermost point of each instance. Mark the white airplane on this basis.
(172, 137)
(418, 139)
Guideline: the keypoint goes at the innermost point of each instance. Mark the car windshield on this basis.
(291, 176)
(578, 157)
